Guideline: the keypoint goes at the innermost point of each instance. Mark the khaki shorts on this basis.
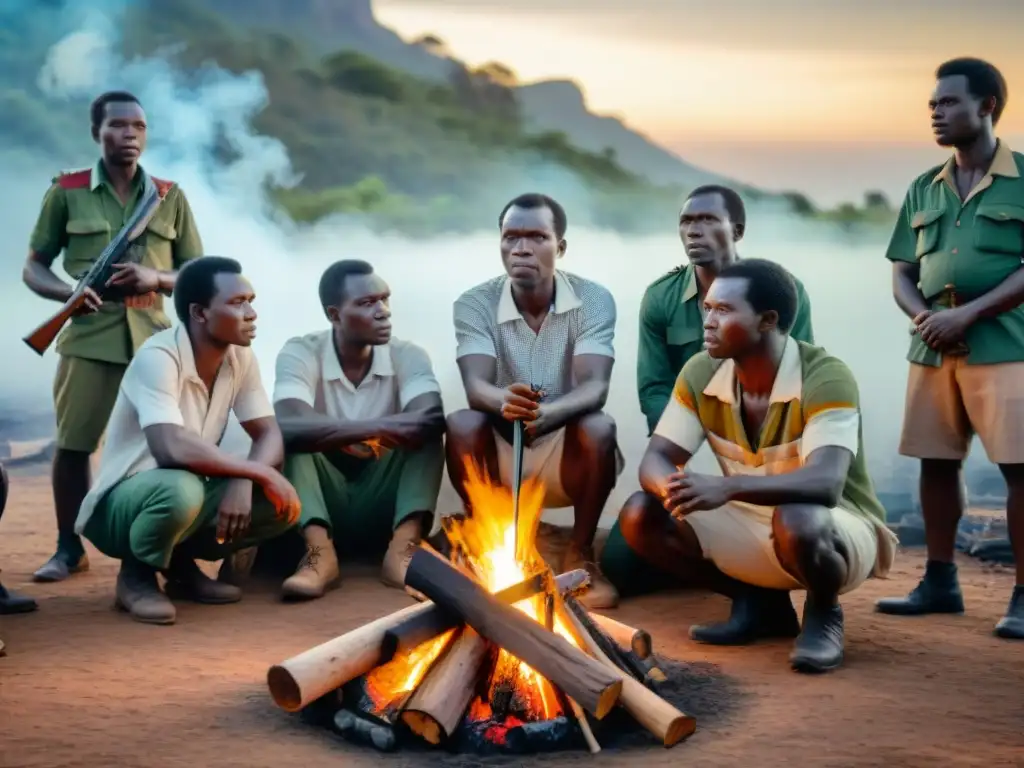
(947, 405)
(543, 461)
(84, 392)
(737, 538)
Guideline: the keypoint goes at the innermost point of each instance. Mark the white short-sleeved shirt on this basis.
(308, 370)
(161, 386)
(581, 322)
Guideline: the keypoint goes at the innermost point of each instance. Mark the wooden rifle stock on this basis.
(42, 337)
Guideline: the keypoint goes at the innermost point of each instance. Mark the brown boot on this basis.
(601, 594)
(318, 568)
(237, 567)
(186, 581)
(404, 541)
(138, 593)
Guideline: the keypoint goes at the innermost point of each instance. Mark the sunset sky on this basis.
(827, 96)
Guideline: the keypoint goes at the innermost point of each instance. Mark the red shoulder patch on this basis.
(75, 179)
(162, 186)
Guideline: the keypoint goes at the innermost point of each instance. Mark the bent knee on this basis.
(467, 425)
(179, 494)
(637, 516)
(596, 429)
(802, 526)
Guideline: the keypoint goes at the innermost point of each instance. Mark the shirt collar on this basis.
(788, 383)
(1003, 164)
(689, 283)
(98, 177)
(566, 299)
(380, 365)
(188, 359)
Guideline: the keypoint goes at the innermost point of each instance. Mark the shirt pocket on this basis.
(926, 226)
(86, 240)
(159, 245)
(999, 228)
(684, 341)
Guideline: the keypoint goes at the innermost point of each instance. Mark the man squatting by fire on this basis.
(536, 344)
(81, 213)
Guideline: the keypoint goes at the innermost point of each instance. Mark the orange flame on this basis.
(487, 541)
(387, 684)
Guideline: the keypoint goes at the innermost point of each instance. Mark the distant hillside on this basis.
(557, 105)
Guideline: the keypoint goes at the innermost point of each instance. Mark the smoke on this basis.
(848, 282)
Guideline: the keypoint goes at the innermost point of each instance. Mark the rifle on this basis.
(118, 251)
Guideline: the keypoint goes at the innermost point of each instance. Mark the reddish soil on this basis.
(82, 685)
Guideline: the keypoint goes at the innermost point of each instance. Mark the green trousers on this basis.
(362, 501)
(148, 515)
(628, 571)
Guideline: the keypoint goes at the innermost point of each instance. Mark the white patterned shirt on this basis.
(581, 322)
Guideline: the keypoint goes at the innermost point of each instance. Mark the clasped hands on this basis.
(522, 402)
(943, 328)
(687, 492)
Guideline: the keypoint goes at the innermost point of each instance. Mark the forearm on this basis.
(485, 397)
(907, 295)
(1004, 297)
(655, 472)
(167, 281)
(316, 433)
(42, 281)
(805, 486)
(588, 397)
(190, 452)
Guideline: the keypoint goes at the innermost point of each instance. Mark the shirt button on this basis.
(955, 250)
(958, 222)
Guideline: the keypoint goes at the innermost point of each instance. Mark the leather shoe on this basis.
(1011, 626)
(12, 602)
(927, 597)
(756, 614)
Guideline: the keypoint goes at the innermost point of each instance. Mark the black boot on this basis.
(756, 614)
(937, 592)
(1011, 626)
(819, 648)
(12, 602)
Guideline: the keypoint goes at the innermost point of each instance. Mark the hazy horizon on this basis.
(831, 102)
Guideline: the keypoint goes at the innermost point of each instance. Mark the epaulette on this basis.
(162, 186)
(74, 179)
(671, 273)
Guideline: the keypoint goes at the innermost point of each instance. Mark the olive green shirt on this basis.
(81, 219)
(672, 331)
(972, 245)
(814, 403)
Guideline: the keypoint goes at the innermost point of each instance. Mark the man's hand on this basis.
(538, 426)
(521, 403)
(234, 513)
(91, 302)
(135, 278)
(688, 492)
(281, 494)
(410, 430)
(944, 328)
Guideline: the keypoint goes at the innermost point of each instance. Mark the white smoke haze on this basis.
(849, 283)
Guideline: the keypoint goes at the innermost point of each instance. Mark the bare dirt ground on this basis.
(82, 685)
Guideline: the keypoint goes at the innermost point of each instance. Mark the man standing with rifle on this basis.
(112, 313)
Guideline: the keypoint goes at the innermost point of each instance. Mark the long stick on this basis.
(517, 478)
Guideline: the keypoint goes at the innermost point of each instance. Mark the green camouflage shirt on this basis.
(81, 214)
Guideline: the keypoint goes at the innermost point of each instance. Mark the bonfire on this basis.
(501, 653)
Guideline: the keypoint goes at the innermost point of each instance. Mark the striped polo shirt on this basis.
(814, 403)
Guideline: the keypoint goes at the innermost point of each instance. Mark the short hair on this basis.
(196, 283)
(537, 200)
(332, 282)
(733, 202)
(769, 287)
(983, 81)
(98, 109)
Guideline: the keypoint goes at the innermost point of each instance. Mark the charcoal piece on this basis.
(362, 731)
(544, 736)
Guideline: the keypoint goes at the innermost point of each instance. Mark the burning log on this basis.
(582, 678)
(639, 640)
(647, 708)
(429, 624)
(302, 679)
(436, 708)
